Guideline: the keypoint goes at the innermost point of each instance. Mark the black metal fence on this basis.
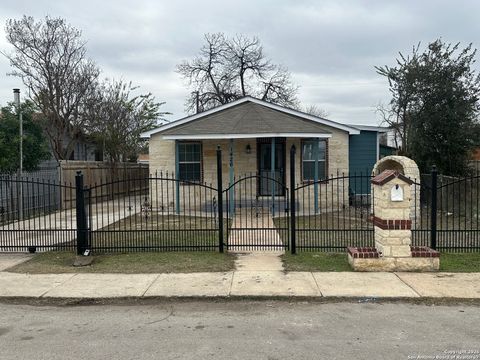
(330, 214)
(447, 214)
(334, 213)
(33, 215)
(163, 213)
(156, 213)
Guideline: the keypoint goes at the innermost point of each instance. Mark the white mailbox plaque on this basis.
(396, 194)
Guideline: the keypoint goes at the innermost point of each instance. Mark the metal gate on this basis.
(256, 221)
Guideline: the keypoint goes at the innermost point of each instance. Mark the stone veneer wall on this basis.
(392, 234)
(409, 168)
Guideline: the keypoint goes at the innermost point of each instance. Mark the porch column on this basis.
(316, 150)
(231, 180)
(177, 177)
(272, 174)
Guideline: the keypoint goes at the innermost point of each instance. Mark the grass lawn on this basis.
(174, 232)
(343, 219)
(323, 261)
(460, 262)
(331, 230)
(147, 262)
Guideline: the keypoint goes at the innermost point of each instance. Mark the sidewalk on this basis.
(269, 284)
(257, 274)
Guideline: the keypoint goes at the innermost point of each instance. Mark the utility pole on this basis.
(197, 101)
(16, 98)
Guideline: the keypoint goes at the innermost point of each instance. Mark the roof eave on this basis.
(244, 136)
(379, 129)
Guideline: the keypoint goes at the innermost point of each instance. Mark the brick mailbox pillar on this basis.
(392, 222)
(391, 199)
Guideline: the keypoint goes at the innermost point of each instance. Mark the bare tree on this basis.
(116, 118)
(50, 57)
(316, 111)
(403, 87)
(229, 68)
(211, 80)
(394, 122)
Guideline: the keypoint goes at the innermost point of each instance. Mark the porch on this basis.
(256, 171)
(266, 157)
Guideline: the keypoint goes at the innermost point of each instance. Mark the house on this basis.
(475, 162)
(255, 137)
(142, 159)
(476, 154)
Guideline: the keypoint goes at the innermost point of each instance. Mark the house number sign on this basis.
(396, 194)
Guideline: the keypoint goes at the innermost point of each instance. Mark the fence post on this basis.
(81, 214)
(433, 222)
(293, 239)
(220, 199)
(177, 178)
(272, 173)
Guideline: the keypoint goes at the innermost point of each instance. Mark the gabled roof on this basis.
(388, 175)
(249, 117)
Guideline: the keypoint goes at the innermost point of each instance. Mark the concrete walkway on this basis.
(254, 230)
(259, 261)
(9, 260)
(243, 284)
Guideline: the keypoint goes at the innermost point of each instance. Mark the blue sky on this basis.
(330, 47)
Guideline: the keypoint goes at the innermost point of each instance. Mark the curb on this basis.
(50, 301)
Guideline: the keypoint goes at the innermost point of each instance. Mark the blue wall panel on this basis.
(362, 158)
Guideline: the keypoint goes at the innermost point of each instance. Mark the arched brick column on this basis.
(402, 164)
(409, 168)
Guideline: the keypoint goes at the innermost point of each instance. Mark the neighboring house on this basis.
(386, 150)
(247, 130)
(475, 162)
(476, 154)
(86, 152)
(143, 159)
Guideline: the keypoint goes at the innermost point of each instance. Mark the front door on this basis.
(264, 154)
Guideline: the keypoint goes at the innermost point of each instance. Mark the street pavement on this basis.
(241, 329)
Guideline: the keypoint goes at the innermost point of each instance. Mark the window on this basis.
(190, 161)
(308, 159)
